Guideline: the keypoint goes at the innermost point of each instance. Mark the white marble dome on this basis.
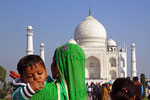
(111, 42)
(72, 41)
(90, 32)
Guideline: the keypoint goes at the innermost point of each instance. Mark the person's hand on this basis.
(36, 86)
(14, 75)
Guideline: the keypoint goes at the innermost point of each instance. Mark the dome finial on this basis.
(89, 10)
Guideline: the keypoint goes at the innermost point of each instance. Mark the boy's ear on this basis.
(21, 77)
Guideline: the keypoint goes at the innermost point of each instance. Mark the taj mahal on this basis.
(105, 60)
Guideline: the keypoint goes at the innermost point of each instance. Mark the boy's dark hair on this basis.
(29, 60)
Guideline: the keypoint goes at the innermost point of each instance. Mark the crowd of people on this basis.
(68, 82)
(121, 89)
(98, 91)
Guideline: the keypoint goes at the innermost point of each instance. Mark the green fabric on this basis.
(49, 92)
(71, 67)
(71, 62)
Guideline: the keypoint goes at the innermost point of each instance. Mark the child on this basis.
(32, 77)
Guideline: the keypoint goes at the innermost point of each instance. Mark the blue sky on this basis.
(54, 21)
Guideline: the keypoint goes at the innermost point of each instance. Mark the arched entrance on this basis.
(112, 74)
(92, 66)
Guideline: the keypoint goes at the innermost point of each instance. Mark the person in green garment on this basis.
(68, 69)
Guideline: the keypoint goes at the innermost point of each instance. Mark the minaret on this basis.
(29, 40)
(133, 61)
(42, 51)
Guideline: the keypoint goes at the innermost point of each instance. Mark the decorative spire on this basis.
(90, 11)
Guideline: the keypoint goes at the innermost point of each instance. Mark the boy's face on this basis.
(35, 74)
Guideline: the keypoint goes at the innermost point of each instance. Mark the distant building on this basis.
(104, 60)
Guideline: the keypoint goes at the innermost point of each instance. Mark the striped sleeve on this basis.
(17, 83)
(25, 92)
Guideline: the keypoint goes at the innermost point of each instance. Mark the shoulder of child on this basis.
(17, 83)
(48, 79)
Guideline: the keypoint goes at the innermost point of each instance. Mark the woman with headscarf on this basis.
(68, 68)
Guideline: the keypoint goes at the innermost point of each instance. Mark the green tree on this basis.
(144, 85)
(5, 86)
(3, 73)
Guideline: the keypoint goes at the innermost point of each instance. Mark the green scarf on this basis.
(49, 92)
(70, 60)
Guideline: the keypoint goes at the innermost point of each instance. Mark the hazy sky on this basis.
(54, 21)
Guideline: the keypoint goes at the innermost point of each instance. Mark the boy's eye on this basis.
(29, 76)
(40, 73)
